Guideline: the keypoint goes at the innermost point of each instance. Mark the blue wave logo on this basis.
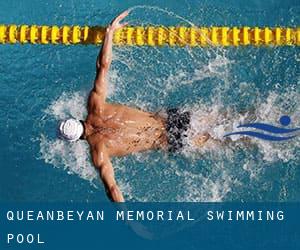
(279, 133)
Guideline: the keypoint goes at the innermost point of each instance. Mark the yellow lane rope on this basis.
(152, 35)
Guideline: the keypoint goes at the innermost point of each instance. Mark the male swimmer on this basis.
(117, 130)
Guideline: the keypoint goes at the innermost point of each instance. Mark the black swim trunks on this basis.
(177, 125)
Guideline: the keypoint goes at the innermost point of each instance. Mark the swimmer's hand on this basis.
(115, 24)
(105, 57)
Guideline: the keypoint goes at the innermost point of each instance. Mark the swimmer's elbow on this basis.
(105, 63)
(98, 163)
(115, 194)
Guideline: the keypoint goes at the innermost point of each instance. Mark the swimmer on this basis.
(114, 130)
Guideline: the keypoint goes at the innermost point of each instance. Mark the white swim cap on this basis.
(70, 130)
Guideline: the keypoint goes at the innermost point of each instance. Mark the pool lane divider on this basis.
(152, 35)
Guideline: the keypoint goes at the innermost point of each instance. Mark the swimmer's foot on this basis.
(200, 140)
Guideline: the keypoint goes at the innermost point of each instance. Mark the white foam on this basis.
(68, 105)
(211, 188)
(72, 157)
(216, 121)
(271, 110)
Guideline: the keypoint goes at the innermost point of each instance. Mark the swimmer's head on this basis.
(70, 130)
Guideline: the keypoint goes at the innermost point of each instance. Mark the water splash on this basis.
(192, 185)
(215, 85)
(74, 158)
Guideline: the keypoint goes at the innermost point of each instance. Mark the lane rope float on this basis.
(152, 35)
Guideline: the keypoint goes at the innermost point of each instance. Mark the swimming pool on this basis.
(42, 84)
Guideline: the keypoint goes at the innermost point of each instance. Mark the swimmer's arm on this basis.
(105, 56)
(103, 164)
(102, 65)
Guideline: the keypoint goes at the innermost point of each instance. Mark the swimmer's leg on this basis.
(200, 140)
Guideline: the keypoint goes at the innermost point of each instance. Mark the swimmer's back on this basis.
(126, 130)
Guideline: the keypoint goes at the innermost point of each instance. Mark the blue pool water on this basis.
(42, 84)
